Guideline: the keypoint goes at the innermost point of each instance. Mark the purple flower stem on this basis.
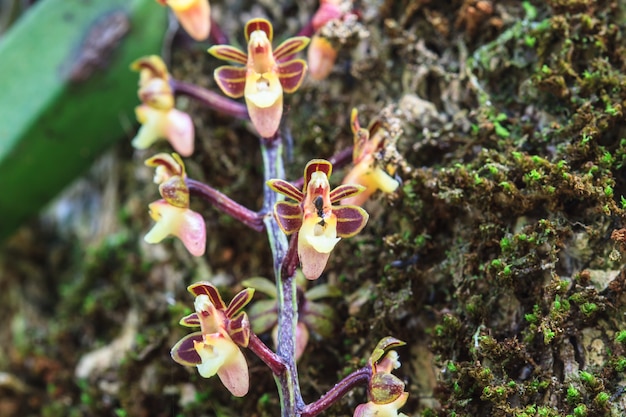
(220, 201)
(210, 99)
(264, 353)
(344, 386)
(287, 382)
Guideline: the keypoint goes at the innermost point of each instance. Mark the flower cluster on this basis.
(223, 329)
(172, 214)
(157, 115)
(319, 223)
(266, 75)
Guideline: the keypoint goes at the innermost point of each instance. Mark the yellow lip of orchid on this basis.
(181, 222)
(267, 73)
(174, 125)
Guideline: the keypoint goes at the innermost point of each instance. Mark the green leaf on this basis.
(67, 93)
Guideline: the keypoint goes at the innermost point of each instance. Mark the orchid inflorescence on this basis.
(315, 216)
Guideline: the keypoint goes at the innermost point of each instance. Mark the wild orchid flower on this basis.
(193, 15)
(157, 114)
(322, 54)
(223, 329)
(366, 169)
(172, 213)
(319, 223)
(265, 76)
(385, 391)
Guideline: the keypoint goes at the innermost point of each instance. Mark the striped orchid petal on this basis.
(289, 216)
(231, 80)
(290, 47)
(239, 329)
(315, 165)
(208, 289)
(350, 220)
(291, 74)
(229, 53)
(345, 191)
(184, 351)
(239, 301)
(192, 320)
(259, 24)
(286, 188)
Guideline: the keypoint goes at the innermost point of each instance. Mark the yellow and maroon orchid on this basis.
(265, 76)
(193, 15)
(172, 214)
(385, 391)
(157, 115)
(223, 329)
(367, 170)
(319, 223)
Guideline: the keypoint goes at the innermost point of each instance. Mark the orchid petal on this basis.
(266, 120)
(229, 53)
(290, 46)
(183, 223)
(238, 329)
(286, 188)
(291, 74)
(194, 16)
(345, 191)
(315, 165)
(321, 57)
(179, 131)
(263, 90)
(166, 166)
(192, 320)
(239, 301)
(259, 24)
(184, 352)
(220, 355)
(288, 216)
(208, 289)
(313, 262)
(231, 80)
(326, 12)
(350, 220)
(152, 128)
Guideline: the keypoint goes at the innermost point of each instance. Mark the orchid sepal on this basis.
(208, 289)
